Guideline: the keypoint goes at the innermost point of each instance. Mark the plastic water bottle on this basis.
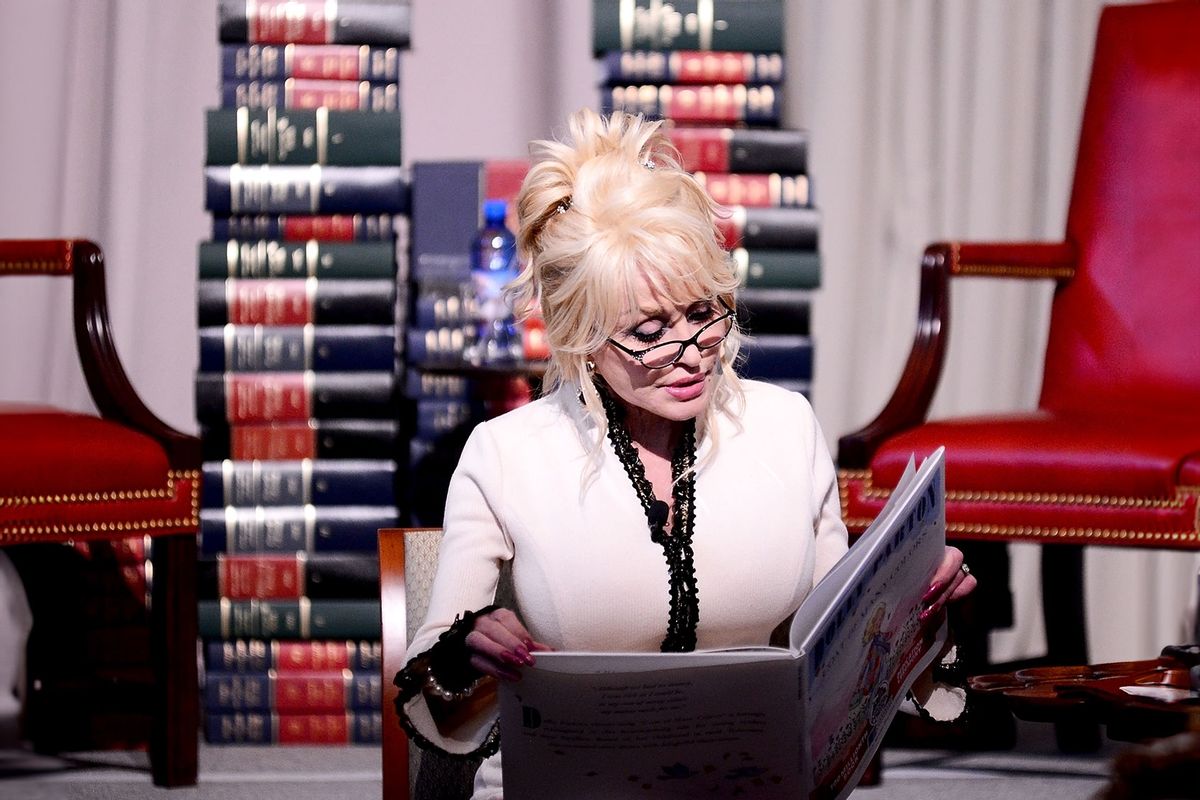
(493, 265)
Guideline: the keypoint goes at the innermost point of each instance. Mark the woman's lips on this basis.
(687, 389)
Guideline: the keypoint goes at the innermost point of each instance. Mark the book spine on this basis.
(270, 258)
(278, 577)
(289, 619)
(778, 356)
(371, 22)
(287, 529)
(260, 348)
(774, 311)
(770, 228)
(784, 269)
(293, 483)
(690, 67)
(295, 301)
(257, 655)
(434, 417)
(719, 103)
(750, 25)
(329, 691)
(303, 227)
(770, 190)
(293, 396)
(334, 438)
(436, 346)
(754, 150)
(303, 94)
(257, 136)
(305, 190)
(330, 62)
(440, 307)
(363, 727)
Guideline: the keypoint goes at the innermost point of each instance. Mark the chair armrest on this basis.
(107, 382)
(909, 403)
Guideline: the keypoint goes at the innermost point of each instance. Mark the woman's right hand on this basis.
(500, 645)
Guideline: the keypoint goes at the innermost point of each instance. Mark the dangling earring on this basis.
(591, 366)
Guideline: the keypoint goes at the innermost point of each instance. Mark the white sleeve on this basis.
(472, 548)
(828, 527)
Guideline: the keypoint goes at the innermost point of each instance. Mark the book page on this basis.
(721, 726)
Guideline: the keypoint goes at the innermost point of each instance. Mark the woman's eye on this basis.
(648, 336)
(701, 314)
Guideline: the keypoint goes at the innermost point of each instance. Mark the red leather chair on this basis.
(1111, 455)
(70, 477)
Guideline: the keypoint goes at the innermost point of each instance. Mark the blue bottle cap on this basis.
(494, 211)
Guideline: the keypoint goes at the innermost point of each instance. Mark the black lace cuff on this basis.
(445, 671)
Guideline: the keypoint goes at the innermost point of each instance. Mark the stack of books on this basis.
(445, 397)
(714, 71)
(299, 365)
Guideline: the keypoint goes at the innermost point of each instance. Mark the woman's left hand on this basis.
(952, 582)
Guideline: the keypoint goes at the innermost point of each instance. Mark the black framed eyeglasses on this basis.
(666, 354)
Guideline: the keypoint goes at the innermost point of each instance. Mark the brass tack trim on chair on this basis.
(1013, 271)
(42, 266)
(98, 497)
(1100, 535)
(870, 491)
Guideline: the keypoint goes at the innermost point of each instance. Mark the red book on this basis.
(757, 191)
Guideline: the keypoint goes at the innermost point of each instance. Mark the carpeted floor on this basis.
(1032, 771)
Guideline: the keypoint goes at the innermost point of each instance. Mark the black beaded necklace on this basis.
(677, 547)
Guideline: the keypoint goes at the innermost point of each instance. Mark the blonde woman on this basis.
(651, 499)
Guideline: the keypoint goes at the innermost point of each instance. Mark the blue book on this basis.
(306, 190)
(321, 482)
(778, 357)
(293, 348)
(288, 529)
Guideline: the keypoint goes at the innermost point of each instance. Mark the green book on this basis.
(744, 25)
(257, 136)
(268, 258)
(289, 619)
(783, 269)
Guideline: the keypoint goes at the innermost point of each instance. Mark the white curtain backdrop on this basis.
(929, 120)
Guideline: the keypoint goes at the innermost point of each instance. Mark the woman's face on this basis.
(674, 393)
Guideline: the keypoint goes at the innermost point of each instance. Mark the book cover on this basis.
(324, 482)
(755, 150)
(332, 62)
(309, 692)
(786, 311)
(783, 269)
(292, 94)
(295, 301)
(244, 576)
(776, 357)
(241, 397)
(770, 228)
(359, 727)
(690, 67)
(257, 655)
(446, 214)
(303, 227)
(290, 441)
(288, 529)
(305, 190)
(294, 348)
(311, 258)
(715, 103)
(753, 25)
(377, 22)
(257, 136)
(289, 619)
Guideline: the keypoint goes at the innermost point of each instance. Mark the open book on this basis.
(797, 722)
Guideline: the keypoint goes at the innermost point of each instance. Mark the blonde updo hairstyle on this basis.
(595, 213)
